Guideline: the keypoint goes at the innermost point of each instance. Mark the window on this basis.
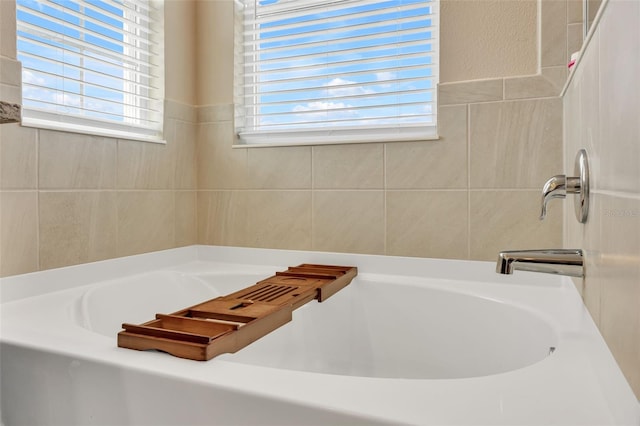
(93, 66)
(323, 71)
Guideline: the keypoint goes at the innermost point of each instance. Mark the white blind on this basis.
(325, 70)
(93, 65)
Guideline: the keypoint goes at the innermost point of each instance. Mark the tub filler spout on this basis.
(551, 261)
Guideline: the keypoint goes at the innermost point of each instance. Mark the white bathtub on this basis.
(410, 341)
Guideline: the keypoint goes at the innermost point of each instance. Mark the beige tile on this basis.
(516, 144)
(146, 221)
(533, 86)
(76, 227)
(427, 224)
(470, 91)
(572, 120)
(553, 38)
(348, 221)
(581, 116)
(432, 164)
(279, 219)
(215, 113)
(8, 29)
(10, 72)
(186, 232)
(508, 220)
(143, 165)
(355, 166)
(591, 244)
(185, 141)
(222, 218)
(18, 157)
(586, 132)
(75, 161)
(18, 232)
(11, 93)
(619, 153)
(557, 76)
(620, 266)
(220, 166)
(179, 111)
(280, 168)
(574, 11)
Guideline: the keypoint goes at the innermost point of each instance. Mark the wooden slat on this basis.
(166, 334)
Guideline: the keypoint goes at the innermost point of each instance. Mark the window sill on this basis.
(336, 137)
(90, 131)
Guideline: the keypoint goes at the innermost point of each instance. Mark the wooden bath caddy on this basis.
(228, 323)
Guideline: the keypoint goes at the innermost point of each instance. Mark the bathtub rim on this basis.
(31, 284)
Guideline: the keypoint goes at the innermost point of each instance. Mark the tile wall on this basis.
(466, 196)
(601, 109)
(67, 198)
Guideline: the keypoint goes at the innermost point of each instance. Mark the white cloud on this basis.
(341, 87)
(29, 77)
(320, 110)
(67, 99)
(319, 106)
(385, 76)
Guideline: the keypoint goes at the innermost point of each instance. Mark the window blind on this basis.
(93, 66)
(342, 70)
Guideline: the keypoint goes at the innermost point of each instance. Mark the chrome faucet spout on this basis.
(551, 261)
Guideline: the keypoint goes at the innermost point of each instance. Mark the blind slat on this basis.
(322, 18)
(345, 97)
(65, 9)
(250, 45)
(122, 80)
(27, 32)
(82, 30)
(339, 109)
(85, 96)
(336, 50)
(135, 17)
(346, 121)
(54, 106)
(343, 74)
(329, 65)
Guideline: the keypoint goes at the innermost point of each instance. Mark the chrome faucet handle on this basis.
(560, 185)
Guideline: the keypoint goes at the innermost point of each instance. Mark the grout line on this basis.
(38, 199)
(116, 190)
(384, 200)
(468, 123)
(313, 197)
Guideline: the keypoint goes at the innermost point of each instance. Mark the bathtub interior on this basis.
(371, 328)
(136, 299)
